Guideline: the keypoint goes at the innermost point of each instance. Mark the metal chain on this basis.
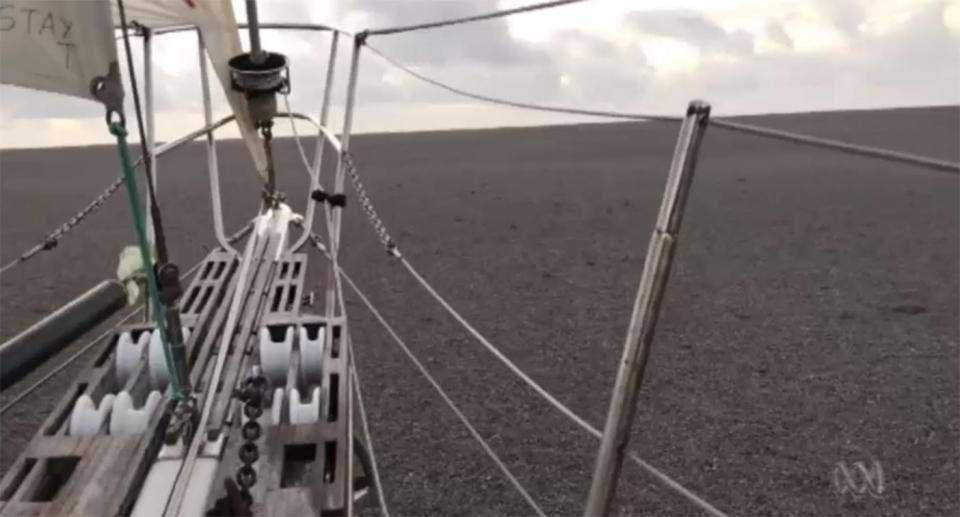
(51, 240)
(378, 227)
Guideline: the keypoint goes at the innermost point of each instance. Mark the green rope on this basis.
(153, 292)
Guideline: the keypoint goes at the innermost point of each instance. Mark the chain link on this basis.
(378, 227)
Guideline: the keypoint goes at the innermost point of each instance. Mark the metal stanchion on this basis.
(646, 309)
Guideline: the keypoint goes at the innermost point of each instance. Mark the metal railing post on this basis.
(646, 309)
(321, 143)
(333, 279)
(337, 211)
(213, 167)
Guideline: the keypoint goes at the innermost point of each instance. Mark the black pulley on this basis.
(27, 350)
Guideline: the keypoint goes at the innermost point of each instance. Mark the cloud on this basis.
(485, 43)
(776, 34)
(799, 56)
(691, 27)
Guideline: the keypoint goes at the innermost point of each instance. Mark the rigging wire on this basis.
(436, 386)
(160, 240)
(825, 143)
(455, 21)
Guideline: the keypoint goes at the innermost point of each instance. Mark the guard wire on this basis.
(517, 104)
(777, 134)
(466, 19)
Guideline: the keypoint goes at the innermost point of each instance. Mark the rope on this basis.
(153, 292)
(466, 19)
(375, 471)
(826, 143)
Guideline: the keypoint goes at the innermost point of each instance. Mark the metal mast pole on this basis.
(253, 22)
(337, 211)
(150, 142)
(646, 309)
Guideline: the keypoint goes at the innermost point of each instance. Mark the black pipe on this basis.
(23, 353)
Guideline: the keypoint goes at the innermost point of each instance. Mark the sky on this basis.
(743, 56)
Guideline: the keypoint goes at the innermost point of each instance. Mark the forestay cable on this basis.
(467, 19)
(826, 143)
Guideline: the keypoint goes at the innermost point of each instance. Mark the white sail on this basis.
(218, 27)
(56, 45)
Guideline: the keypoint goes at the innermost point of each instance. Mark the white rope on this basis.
(707, 507)
(478, 17)
(367, 438)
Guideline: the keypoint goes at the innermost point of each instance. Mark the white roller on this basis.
(87, 419)
(304, 412)
(275, 356)
(157, 363)
(124, 419)
(129, 354)
(277, 408)
(311, 356)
